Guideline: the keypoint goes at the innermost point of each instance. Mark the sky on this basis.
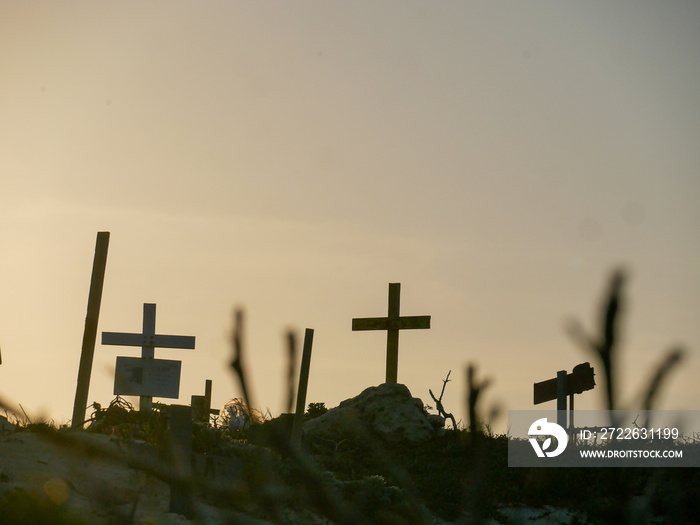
(499, 160)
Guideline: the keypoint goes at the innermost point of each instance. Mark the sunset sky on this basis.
(294, 158)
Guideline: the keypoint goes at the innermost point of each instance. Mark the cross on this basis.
(148, 340)
(578, 381)
(392, 324)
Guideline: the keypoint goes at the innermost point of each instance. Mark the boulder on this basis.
(387, 410)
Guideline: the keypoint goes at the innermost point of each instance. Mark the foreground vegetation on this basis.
(461, 476)
(363, 479)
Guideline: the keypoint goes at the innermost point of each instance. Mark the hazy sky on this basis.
(497, 159)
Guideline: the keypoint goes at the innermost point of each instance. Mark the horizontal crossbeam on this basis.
(154, 341)
(580, 380)
(384, 323)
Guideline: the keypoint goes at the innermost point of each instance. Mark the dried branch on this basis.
(605, 346)
(237, 362)
(476, 388)
(672, 359)
(291, 369)
(438, 402)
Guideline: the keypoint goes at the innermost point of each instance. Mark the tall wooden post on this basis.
(90, 333)
(571, 412)
(301, 389)
(148, 352)
(561, 398)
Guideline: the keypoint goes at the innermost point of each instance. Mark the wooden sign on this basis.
(135, 376)
(148, 340)
(392, 324)
(580, 380)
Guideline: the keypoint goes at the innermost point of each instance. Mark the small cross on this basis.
(148, 341)
(392, 324)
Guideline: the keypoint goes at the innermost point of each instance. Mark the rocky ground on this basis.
(377, 459)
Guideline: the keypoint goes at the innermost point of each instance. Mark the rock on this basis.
(388, 410)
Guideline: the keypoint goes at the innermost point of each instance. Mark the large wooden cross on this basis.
(148, 340)
(392, 324)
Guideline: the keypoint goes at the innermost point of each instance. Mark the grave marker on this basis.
(579, 380)
(201, 405)
(160, 372)
(392, 324)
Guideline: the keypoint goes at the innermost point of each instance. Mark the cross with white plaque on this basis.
(145, 376)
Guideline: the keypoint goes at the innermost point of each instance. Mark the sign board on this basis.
(580, 380)
(135, 376)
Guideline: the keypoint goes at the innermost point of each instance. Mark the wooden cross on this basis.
(578, 381)
(148, 340)
(201, 405)
(392, 324)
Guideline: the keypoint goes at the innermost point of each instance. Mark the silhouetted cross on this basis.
(392, 324)
(148, 341)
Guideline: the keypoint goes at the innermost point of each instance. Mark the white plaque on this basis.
(135, 376)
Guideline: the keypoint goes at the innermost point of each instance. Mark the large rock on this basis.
(388, 410)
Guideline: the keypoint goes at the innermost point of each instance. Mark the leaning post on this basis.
(301, 390)
(90, 333)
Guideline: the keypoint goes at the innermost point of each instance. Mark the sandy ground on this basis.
(94, 489)
(101, 491)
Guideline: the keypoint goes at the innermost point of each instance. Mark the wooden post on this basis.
(301, 390)
(571, 413)
(90, 333)
(181, 455)
(207, 396)
(561, 398)
(148, 352)
(201, 405)
(392, 324)
(392, 334)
